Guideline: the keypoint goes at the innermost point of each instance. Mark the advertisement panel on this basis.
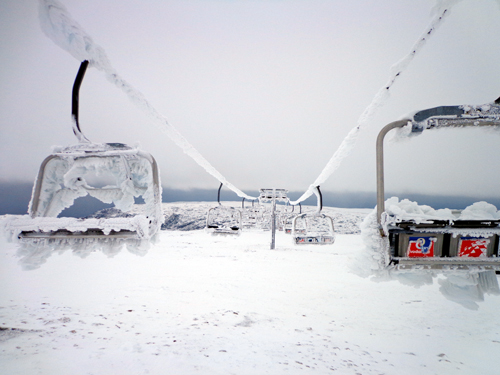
(473, 247)
(420, 247)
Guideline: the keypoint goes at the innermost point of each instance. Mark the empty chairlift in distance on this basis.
(268, 199)
(272, 197)
(316, 228)
(287, 217)
(66, 175)
(222, 220)
(453, 242)
(253, 217)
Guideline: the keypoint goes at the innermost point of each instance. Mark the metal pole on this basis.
(380, 164)
(273, 221)
(75, 98)
(218, 193)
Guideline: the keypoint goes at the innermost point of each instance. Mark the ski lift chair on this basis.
(252, 217)
(438, 244)
(288, 217)
(267, 199)
(62, 179)
(222, 220)
(314, 228)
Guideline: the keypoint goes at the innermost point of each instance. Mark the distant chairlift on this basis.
(314, 228)
(267, 199)
(439, 244)
(287, 217)
(273, 196)
(253, 217)
(223, 220)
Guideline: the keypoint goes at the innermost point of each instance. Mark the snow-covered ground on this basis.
(200, 304)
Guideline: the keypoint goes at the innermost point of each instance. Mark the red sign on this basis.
(421, 247)
(473, 247)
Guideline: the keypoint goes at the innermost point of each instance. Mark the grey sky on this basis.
(265, 90)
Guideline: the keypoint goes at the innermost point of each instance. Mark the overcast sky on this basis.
(266, 90)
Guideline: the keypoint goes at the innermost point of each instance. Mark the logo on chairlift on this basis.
(473, 247)
(419, 247)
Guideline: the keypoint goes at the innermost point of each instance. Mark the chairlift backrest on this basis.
(433, 118)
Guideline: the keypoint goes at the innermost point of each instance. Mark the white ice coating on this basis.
(63, 178)
(440, 11)
(62, 29)
(466, 287)
(409, 210)
(404, 210)
(13, 225)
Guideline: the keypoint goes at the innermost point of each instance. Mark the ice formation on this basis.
(466, 287)
(63, 30)
(65, 176)
(62, 179)
(397, 211)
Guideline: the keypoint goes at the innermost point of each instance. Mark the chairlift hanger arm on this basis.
(218, 193)
(75, 102)
(457, 116)
(317, 191)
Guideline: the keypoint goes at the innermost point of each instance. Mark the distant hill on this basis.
(15, 197)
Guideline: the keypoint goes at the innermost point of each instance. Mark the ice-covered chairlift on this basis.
(267, 200)
(273, 196)
(438, 244)
(223, 220)
(253, 217)
(62, 179)
(287, 218)
(314, 228)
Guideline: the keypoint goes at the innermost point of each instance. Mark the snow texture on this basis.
(192, 216)
(197, 304)
(409, 210)
(63, 30)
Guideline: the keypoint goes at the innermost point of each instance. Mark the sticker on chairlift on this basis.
(314, 240)
(421, 247)
(306, 240)
(473, 247)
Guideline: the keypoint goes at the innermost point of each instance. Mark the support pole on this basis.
(273, 221)
(380, 165)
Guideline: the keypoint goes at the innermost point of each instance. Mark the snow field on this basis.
(200, 304)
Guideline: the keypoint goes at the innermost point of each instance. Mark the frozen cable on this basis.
(441, 10)
(63, 30)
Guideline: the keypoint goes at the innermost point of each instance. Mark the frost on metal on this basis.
(63, 178)
(464, 286)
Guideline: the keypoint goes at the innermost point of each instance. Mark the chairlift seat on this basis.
(439, 244)
(61, 180)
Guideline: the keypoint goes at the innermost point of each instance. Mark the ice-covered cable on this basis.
(58, 25)
(440, 11)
